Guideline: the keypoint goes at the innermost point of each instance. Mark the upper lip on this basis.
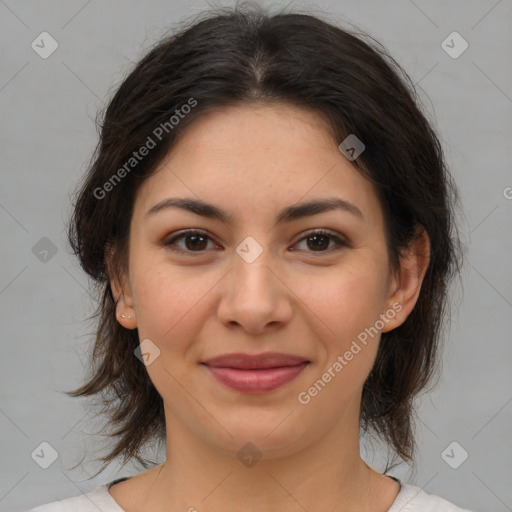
(255, 361)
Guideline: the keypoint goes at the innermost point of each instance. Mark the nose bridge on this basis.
(253, 295)
(252, 264)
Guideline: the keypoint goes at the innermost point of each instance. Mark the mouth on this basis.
(266, 360)
(256, 373)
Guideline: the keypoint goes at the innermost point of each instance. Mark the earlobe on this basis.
(406, 285)
(125, 312)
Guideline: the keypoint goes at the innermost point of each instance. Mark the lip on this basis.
(256, 381)
(242, 361)
(259, 373)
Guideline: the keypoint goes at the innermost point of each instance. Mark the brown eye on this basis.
(194, 241)
(318, 241)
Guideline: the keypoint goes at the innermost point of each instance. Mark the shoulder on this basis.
(413, 499)
(97, 499)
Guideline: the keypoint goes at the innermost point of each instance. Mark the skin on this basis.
(253, 161)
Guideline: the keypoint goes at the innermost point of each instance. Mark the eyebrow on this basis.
(290, 213)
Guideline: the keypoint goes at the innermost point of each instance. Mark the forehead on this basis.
(254, 160)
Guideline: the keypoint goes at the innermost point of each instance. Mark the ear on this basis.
(121, 290)
(405, 285)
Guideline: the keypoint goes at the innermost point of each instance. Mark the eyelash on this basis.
(320, 232)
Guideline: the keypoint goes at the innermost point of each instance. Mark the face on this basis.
(257, 282)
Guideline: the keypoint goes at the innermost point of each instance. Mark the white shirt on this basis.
(409, 499)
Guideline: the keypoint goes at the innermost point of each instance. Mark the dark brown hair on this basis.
(245, 54)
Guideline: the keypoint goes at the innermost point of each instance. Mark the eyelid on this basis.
(180, 234)
(340, 240)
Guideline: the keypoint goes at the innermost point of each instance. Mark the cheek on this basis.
(171, 312)
(349, 303)
(348, 300)
(169, 303)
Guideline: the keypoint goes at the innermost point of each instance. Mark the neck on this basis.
(326, 474)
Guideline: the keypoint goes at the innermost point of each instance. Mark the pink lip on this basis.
(256, 381)
(255, 361)
(256, 373)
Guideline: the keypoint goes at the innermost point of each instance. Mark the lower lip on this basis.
(256, 381)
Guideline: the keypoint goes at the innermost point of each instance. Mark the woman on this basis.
(270, 220)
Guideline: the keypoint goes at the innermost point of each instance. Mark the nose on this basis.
(255, 296)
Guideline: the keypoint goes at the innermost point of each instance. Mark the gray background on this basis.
(48, 108)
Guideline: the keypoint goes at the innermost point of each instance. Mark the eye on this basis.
(319, 239)
(193, 240)
(197, 241)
